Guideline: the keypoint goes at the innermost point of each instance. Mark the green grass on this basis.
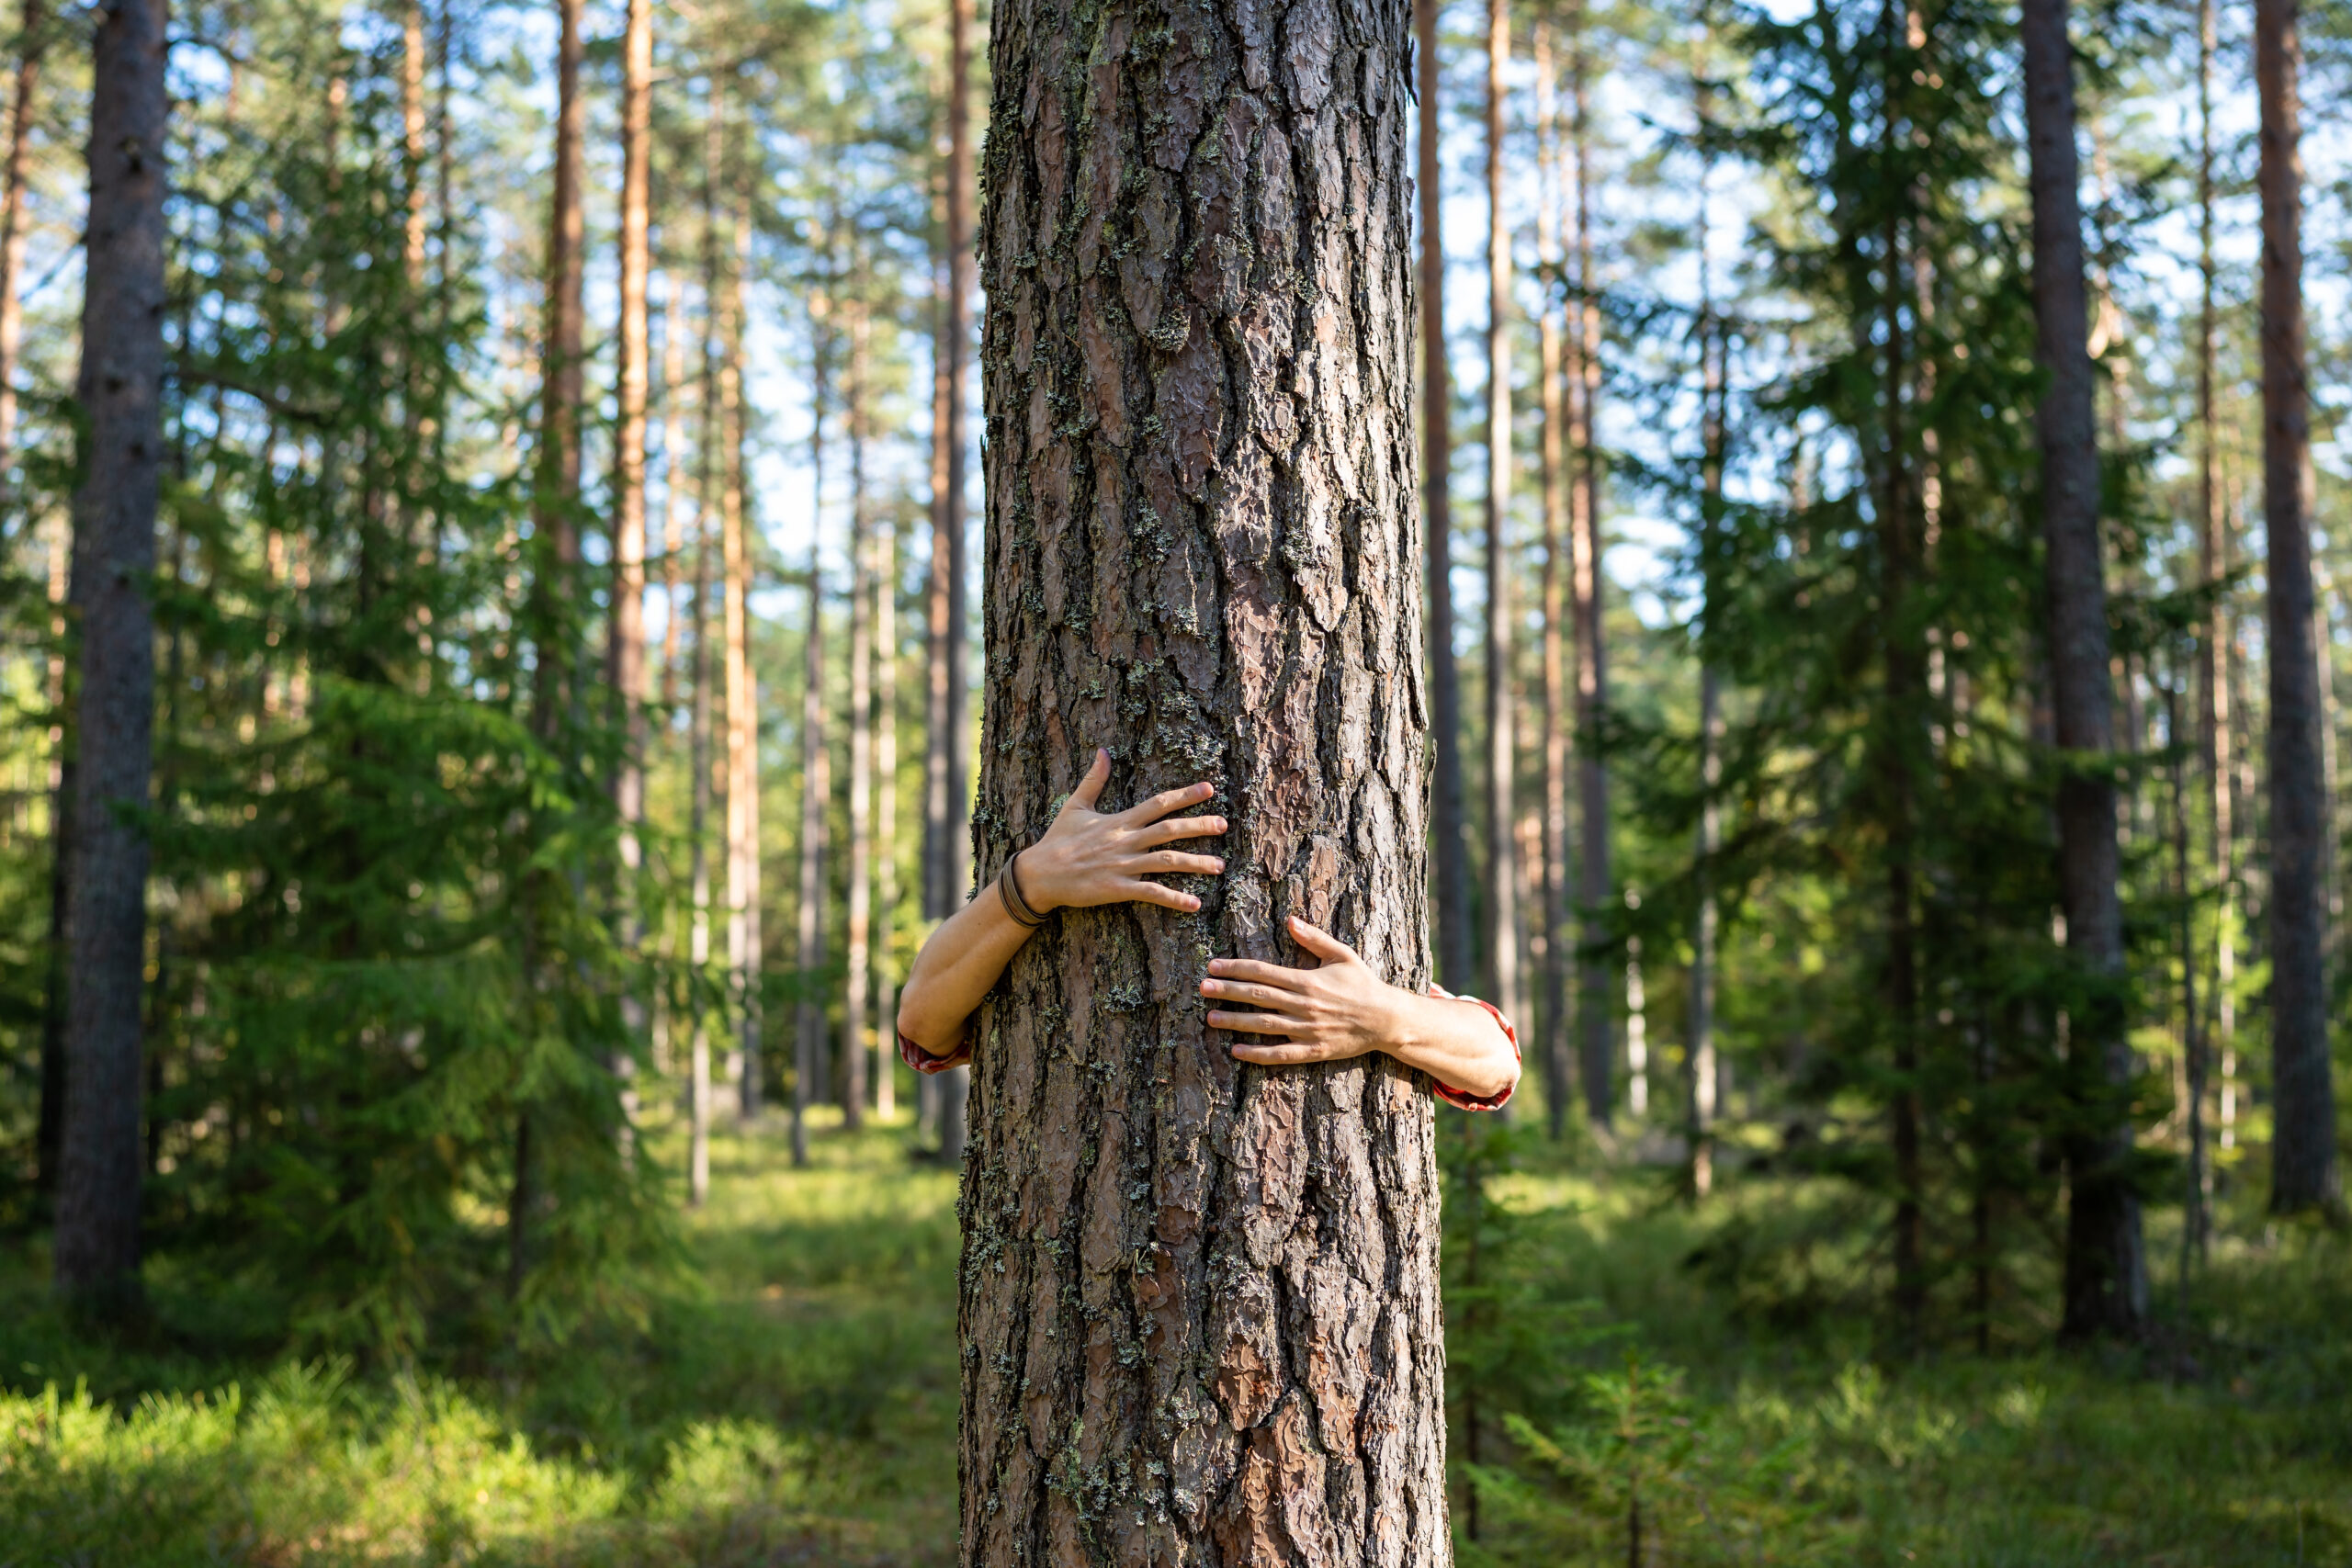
(795, 1403)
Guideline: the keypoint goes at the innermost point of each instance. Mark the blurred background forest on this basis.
(562, 678)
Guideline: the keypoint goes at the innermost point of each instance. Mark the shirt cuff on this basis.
(1457, 1098)
(923, 1061)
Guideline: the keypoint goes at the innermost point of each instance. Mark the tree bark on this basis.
(556, 492)
(2212, 688)
(1502, 744)
(699, 725)
(1558, 453)
(861, 744)
(626, 626)
(2105, 1285)
(1704, 926)
(1596, 1033)
(885, 589)
(12, 225)
(742, 689)
(816, 789)
(1199, 1301)
(121, 395)
(1451, 844)
(2303, 1171)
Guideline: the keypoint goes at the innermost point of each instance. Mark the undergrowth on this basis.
(1678, 1389)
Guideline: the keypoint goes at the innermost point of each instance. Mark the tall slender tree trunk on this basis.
(626, 626)
(555, 495)
(816, 790)
(414, 152)
(885, 588)
(955, 731)
(1451, 844)
(1701, 1059)
(1200, 1310)
(2303, 1170)
(30, 46)
(1502, 745)
(743, 688)
(699, 759)
(121, 396)
(861, 742)
(1558, 570)
(673, 380)
(2106, 1283)
(935, 898)
(1903, 660)
(1596, 1032)
(2212, 686)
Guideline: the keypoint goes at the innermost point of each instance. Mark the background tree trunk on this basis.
(816, 790)
(1199, 1301)
(1595, 886)
(713, 434)
(742, 691)
(12, 224)
(2212, 565)
(1558, 951)
(2304, 1173)
(120, 394)
(2105, 1274)
(1502, 744)
(1451, 843)
(861, 745)
(885, 817)
(626, 630)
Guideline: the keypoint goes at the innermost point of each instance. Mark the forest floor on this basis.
(1700, 1378)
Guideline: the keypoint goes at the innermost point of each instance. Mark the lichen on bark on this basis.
(1199, 1307)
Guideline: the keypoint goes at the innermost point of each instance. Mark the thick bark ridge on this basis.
(1199, 1312)
(121, 395)
(2303, 1172)
(2106, 1273)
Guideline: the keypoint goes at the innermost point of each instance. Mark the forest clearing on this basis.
(794, 1403)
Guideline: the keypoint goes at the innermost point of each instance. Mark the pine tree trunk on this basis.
(1557, 950)
(1699, 1060)
(625, 649)
(1904, 660)
(12, 226)
(1200, 1307)
(1452, 841)
(937, 898)
(1502, 746)
(816, 788)
(699, 731)
(121, 395)
(2105, 1274)
(955, 733)
(2212, 690)
(1595, 885)
(673, 380)
(2303, 1170)
(885, 817)
(742, 691)
(557, 490)
(861, 745)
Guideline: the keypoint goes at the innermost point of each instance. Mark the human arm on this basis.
(1086, 858)
(1341, 1009)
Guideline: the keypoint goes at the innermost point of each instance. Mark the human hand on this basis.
(1330, 1013)
(1088, 857)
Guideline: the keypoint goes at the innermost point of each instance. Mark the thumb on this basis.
(1090, 788)
(1321, 944)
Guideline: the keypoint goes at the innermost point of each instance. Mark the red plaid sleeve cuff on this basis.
(923, 1061)
(1455, 1097)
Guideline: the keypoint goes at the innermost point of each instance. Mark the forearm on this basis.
(955, 970)
(1455, 1042)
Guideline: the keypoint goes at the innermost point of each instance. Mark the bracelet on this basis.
(1016, 905)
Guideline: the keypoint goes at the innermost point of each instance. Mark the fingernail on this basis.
(1220, 864)
(1191, 902)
